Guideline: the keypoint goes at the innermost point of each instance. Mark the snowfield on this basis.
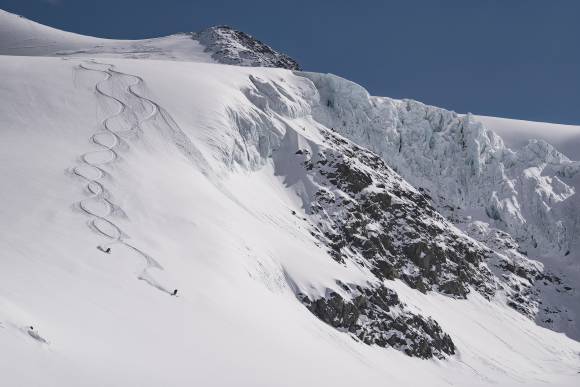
(516, 133)
(186, 169)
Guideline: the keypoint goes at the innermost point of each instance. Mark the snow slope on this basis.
(20, 36)
(187, 171)
(224, 236)
(516, 133)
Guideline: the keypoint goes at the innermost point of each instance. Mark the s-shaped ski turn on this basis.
(98, 206)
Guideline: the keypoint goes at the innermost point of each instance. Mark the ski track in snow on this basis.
(98, 206)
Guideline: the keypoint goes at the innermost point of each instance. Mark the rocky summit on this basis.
(234, 47)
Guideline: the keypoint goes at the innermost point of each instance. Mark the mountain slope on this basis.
(300, 257)
(476, 181)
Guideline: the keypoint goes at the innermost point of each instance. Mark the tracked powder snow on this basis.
(317, 235)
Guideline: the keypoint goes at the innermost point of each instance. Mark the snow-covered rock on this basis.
(234, 47)
(464, 167)
(459, 162)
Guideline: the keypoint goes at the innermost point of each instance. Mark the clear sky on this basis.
(508, 58)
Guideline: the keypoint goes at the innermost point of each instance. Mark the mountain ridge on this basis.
(221, 44)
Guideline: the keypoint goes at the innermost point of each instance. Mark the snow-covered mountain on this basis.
(477, 182)
(222, 44)
(316, 235)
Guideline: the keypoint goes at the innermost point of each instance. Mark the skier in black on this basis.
(174, 292)
(35, 335)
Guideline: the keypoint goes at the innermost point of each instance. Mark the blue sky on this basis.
(510, 58)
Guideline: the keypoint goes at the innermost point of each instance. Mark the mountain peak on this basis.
(230, 46)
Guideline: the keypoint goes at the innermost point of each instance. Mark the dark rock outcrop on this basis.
(376, 316)
(365, 212)
(234, 47)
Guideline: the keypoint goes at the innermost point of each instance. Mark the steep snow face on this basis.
(197, 168)
(466, 170)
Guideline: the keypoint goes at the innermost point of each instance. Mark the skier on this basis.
(174, 292)
(35, 335)
(107, 250)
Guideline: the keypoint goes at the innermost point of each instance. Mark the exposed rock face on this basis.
(459, 163)
(527, 197)
(234, 47)
(376, 316)
(365, 212)
(367, 215)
